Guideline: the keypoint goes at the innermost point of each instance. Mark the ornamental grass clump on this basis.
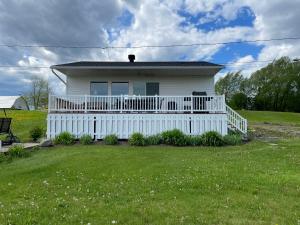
(174, 137)
(233, 139)
(212, 138)
(154, 139)
(137, 139)
(17, 151)
(111, 139)
(195, 140)
(36, 133)
(86, 139)
(64, 138)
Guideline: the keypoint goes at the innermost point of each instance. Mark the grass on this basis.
(24, 121)
(271, 117)
(257, 183)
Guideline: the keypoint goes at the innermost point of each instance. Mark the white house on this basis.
(149, 97)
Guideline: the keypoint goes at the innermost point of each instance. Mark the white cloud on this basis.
(156, 22)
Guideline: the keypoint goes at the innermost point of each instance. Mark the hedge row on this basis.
(173, 137)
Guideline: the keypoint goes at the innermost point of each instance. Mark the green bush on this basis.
(183, 141)
(196, 141)
(36, 133)
(64, 138)
(111, 139)
(137, 139)
(174, 137)
(154, 140)
(3, 157)
(86, 139)
(212, 138)
(17, 151)
(233, 139)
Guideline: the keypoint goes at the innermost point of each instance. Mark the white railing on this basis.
(236, 120)
(155, 104)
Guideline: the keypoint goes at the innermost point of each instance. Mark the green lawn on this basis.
(24, 121)
(271, 117)
(257, 183)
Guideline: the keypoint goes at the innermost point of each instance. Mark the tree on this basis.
(275, 85)
(229, 85)
(239, 101)
(37, 96)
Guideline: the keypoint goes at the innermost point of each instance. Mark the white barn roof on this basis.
(8, 102)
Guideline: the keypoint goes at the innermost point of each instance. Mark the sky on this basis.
(140, 23)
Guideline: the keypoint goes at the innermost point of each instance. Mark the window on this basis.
(99, 88)
(152, 89)
(119, 88)
(139, 88)
(143, 88)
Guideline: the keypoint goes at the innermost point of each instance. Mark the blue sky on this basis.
(140, 23)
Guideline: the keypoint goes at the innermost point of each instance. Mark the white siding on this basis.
(123, 125)
(169, 85)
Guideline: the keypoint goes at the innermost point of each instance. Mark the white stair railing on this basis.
(236, 120)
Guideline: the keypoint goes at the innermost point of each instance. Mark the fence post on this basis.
(85, 104)
(192, 104)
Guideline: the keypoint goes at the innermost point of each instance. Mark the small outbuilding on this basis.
(13, 102)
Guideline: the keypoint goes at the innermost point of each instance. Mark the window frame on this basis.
(119, 82)
(99, 82)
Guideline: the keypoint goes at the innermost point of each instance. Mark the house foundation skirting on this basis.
(123, 125)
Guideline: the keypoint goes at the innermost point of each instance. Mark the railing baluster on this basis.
(85, 103)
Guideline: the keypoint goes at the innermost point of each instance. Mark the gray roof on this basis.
(102, 64)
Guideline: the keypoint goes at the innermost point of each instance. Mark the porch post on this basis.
(121, 104)
(49, 103)
(156, 103)
(192, 104)
(85, 104)
(224, 103)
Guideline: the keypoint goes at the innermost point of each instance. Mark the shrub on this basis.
(111, 139)
(86, 139)
(196, 140)
(183, 141)
(233, 139)
(212, 138)
(137, 139)
(154, 140)
(36, 133)
(17, 151)
(173, 137)
(3, 157)
(64, 138)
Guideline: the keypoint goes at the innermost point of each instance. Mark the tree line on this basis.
(275, 87)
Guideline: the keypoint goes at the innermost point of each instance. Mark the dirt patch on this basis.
(269, 131)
